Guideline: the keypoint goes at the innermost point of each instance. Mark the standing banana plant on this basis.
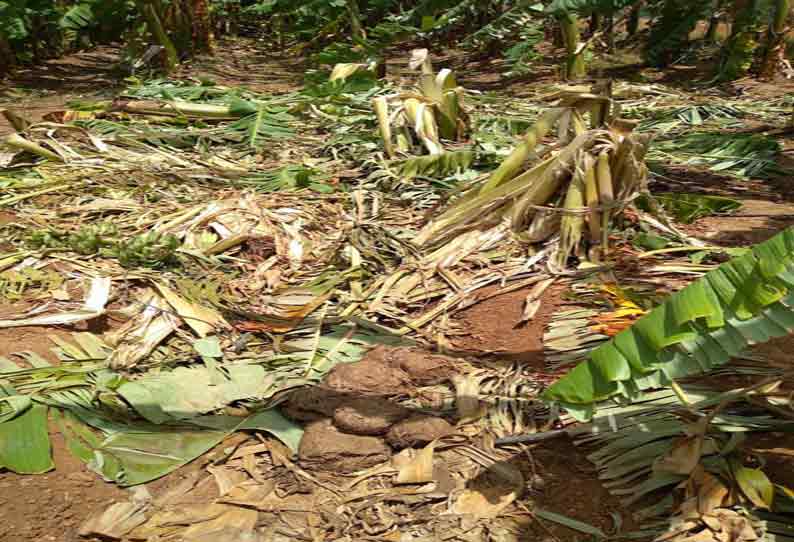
(566, 12)
(202, 26)
(714, 22)
(742, 45)
(670, 32)
(633, 21)
(776, 45)
(154, 23)
(356, 27)
(575, 62)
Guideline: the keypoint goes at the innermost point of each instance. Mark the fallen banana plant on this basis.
(745, 301)
(643, 448)
(179, 108)
(425, 115)
(574, 190)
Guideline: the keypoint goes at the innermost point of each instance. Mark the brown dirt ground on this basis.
(570, 487)
(245, 63)
(51, 507)
(48, 507)
(776, 451)
(767, 207)
(33, 339)
(42, 89)
(493, 326)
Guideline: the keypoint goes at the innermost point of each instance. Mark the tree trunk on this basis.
(575, 66)
(8, 59)
(714, 22)
(633, 24)
(553, 33)
(669, 36)
(775, 50)
(355, 21)
(595, 22)
(36, 35)
(155, 25)
(741, 46)
(609, 28)
(202, 27)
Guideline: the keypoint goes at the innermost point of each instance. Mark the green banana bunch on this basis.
(93, 238)
(150, 249)
(87, 240)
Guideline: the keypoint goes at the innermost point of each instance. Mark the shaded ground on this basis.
(39, 90)
(98, 74)
(245, 63)
(767, 207)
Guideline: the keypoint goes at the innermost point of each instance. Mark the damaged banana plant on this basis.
(571, 193)
(745, 301)
(697, 462)
(426, 115)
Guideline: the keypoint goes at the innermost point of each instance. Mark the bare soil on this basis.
(494, 326)
(32, 339)
(51, 507)
(568, 484)
(39, 90)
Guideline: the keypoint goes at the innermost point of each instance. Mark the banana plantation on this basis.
(396, 270)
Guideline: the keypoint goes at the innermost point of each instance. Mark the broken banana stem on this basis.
(545, 223)
(18, 142)
(508, 169)
(572, 221)
(591, 197)
(381, 107)
(606, 196)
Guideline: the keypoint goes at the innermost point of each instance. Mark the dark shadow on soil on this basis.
(563, 481)
(767, 206)
(35, 91)
(91, 71)
(699, 180)
(246, 63)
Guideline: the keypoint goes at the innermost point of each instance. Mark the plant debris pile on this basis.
(273, 274)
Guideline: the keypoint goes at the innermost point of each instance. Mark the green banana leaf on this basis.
(745, 301)
(686, 208)
(12, 406)
(586, 6)
(187, 392)
(624, 442)
(436, 165)
(25, 442)
(138, 452)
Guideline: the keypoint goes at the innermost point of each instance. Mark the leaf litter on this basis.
(246, 246)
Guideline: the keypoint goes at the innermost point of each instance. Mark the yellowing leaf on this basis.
(754, 485)
(708, 489)
(200, 319)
